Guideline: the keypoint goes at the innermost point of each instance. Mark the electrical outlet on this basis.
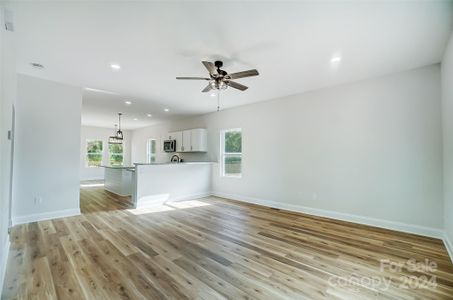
(315, 196)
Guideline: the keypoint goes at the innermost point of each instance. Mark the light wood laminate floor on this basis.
(215, 248)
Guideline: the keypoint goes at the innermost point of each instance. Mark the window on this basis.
(94, 153)
(116, 154)
(151, 151)
(231, 152)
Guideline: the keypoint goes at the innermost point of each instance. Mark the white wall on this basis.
(98, 133)
(447, 109)
(47, 149)
(371, 149)
(7, 99)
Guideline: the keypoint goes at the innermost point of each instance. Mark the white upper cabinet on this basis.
(199, 140)
(193, 140)
(186, 141)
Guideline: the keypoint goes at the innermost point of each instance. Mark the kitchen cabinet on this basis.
(191, 140)
(198, 140)
(186, 141)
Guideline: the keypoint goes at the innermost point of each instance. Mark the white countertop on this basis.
(176, 163)
(132, 168)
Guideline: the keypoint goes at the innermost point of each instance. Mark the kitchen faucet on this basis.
(175, 158)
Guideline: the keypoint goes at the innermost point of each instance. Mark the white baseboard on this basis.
(46, 216)
(190, 197)
(3, 262)
(91, 179)
(449, 245)
(398, 226)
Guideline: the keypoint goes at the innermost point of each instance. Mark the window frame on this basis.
(122, 155)
(148, 150)
(224, 154)
(86, 152)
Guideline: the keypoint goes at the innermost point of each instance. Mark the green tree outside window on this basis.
(115, 155)
(94, 153)
(232, 153)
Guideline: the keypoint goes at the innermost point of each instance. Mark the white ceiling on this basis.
(101, 110)
(290, 43)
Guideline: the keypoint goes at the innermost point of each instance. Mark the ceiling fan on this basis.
(220, 79)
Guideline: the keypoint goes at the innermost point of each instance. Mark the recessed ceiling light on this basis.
(213, 95)
(115, 66)
(166, 109)
(135, 119)
(127, 102)
(37, 66)
(149, 115)
(335, 59)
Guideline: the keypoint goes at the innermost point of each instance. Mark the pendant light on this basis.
(118, 137)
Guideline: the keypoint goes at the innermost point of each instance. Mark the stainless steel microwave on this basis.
(169, 145)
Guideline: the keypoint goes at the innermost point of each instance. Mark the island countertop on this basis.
(130, 168)
(176, 163)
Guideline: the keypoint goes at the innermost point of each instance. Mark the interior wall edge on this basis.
(17, 220)
(381, 223)
(447, 130)
(449, 245)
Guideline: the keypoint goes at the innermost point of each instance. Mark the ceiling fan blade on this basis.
(193, 78)
(237, 85)
(243, 74)
(207, 88)
(211, 68)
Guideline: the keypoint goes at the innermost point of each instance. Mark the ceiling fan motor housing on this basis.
(218, 64)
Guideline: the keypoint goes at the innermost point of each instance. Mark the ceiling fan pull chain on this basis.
(218, 100)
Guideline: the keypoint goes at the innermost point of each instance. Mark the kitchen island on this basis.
(119, 180)
(158, 183)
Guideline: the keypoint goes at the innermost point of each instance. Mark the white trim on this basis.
(398, 226)
(88, 178)
(449, 245)
(223, 154)
(148, 152)
(86, 152)
(3, 262)
(46, 216)
(190, 197)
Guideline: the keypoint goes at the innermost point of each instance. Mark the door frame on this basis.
(11, 167)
